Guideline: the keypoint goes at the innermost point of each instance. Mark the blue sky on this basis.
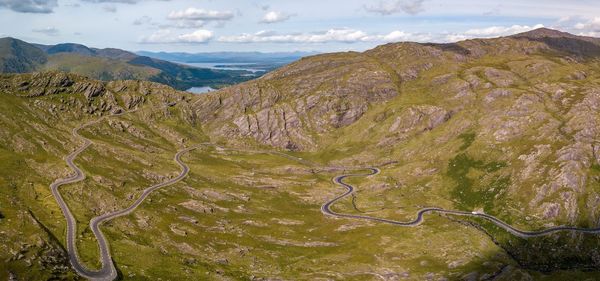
(283, 25)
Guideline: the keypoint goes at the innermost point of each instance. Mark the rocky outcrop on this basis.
(89, 89)
(413, 121)
(289, 108)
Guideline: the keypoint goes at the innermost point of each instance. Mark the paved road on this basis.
(339, 180)
(108, 271)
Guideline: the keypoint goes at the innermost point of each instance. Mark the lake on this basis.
(225, 66)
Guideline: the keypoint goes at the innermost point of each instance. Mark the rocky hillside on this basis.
(507, 125)
(297, 105)
(37, 114)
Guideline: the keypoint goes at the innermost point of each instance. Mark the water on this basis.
(230, 66)
(200, 90)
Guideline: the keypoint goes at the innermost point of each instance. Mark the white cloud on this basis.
(200, 14)
(487, 32)
(388, 7)
(274, 16)
(332, 35)
(197, 18)
(455, 37)
(168, 36)
(198, 36)
(30, 6)
(493, 31)
(397, 36)
(50, 31)
(591, 25)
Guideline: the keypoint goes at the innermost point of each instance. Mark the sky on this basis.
(283, 25)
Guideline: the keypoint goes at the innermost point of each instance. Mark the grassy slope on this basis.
(17, 56)
(264, 208)
(258, 211)
(101, 68)
(463, 163)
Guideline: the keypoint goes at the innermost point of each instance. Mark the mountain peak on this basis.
(583, 46)
(544, 32)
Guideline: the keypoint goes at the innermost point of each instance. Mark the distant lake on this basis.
(200, 90)
(251, 67)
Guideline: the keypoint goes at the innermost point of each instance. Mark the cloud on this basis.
(197, 18)
(110, 9)
(591, 25)
(274, 16)
(398, 36)
(388, 7)
(343, 35)
(184, 24)
(200, 14)
(29, 6)
(49, 31)
(487, 32)
(501, 30)
(332, 35)
(584, 26)
(168, 36)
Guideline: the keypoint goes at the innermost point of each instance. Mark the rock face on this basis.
(293, 107)
(283, 107)
(90, 89)
(100, 97)
(533, 97)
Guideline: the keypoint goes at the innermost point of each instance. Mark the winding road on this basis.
(108, 271)
(339, 180)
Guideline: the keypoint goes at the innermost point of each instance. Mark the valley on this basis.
(485, 147)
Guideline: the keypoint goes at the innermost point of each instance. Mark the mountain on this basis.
(110, 64)
(505, 127)
(321, 94)
(74, 48)
(19, 56)
(229, 57)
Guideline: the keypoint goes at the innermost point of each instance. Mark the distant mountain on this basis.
(86, 51)
(17, 56)
(229, 57)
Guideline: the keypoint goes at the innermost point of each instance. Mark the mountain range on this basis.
(229, 57)
(505, 127)
(108, 64)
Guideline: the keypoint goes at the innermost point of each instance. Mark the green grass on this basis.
(468, 139)
(472, 193)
